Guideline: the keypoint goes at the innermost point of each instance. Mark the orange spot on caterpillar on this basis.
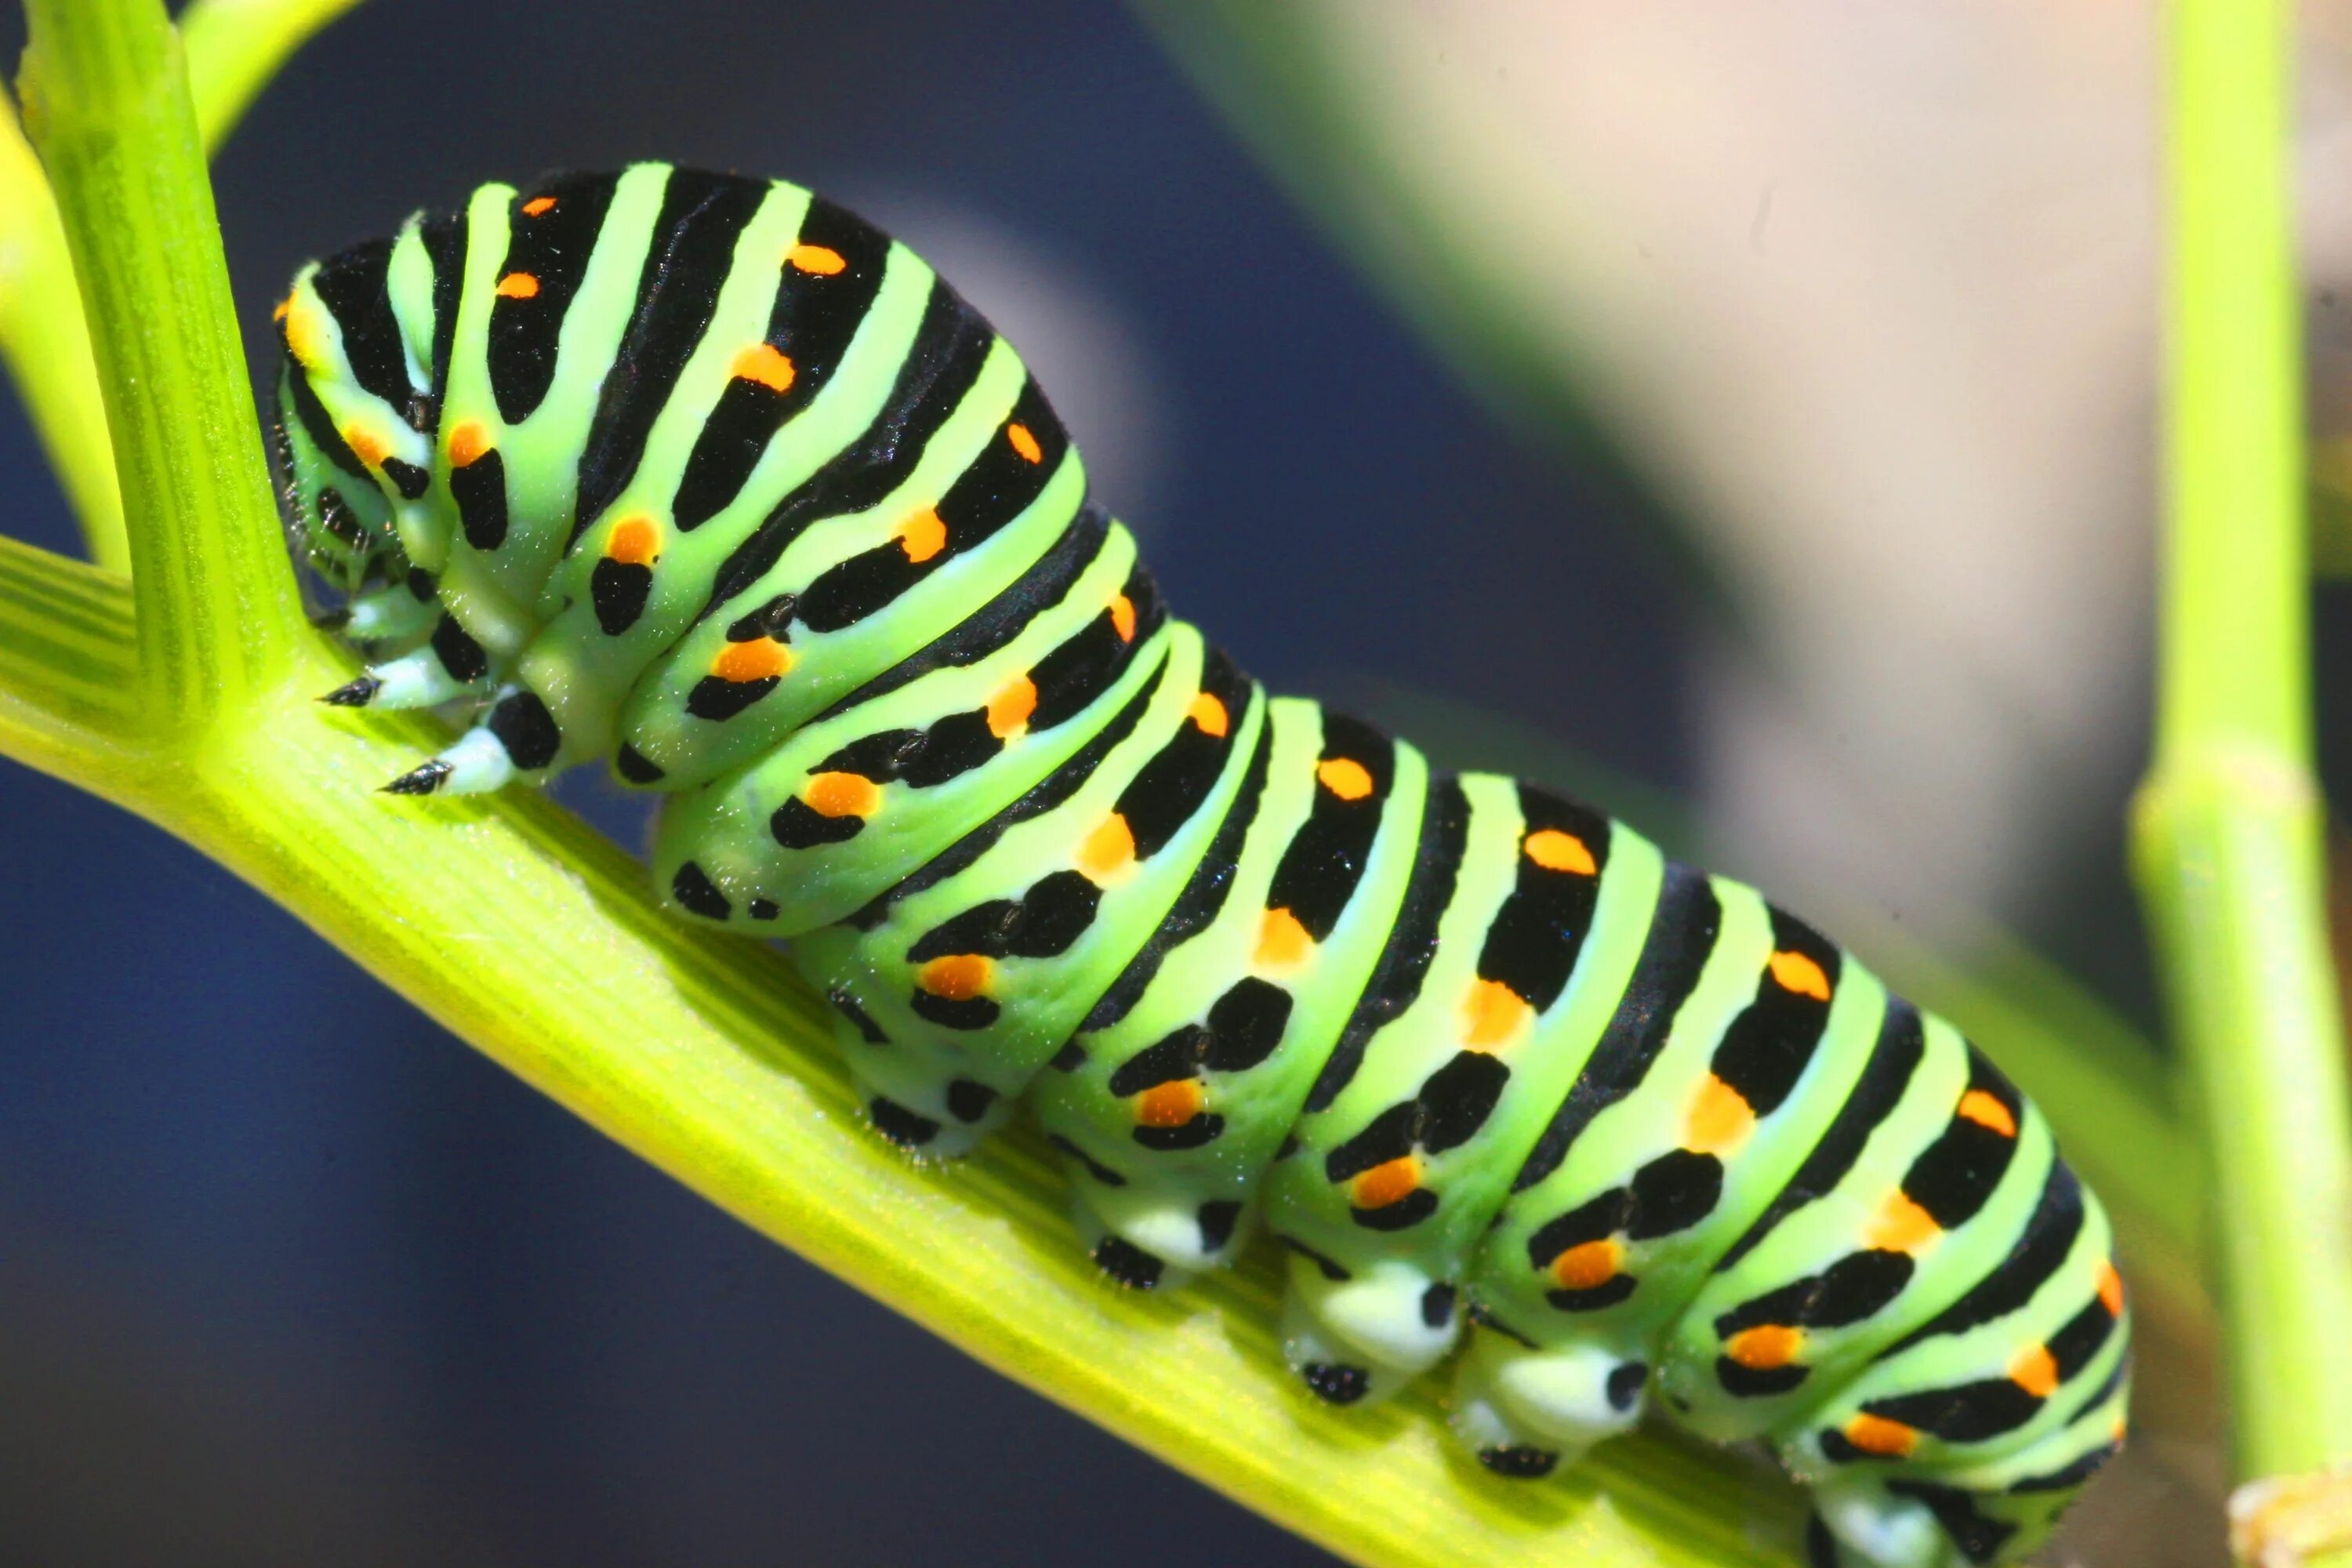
(1123, 616)
(467, 442)
(1345, 777)
(277, 313)
(1281, 941)
(302, 336)
(761, 659)
(1109, 850)
(958, 978)
(1010, 707)
(2111, 1289)
(1494, 1013)
(843, 794)
(1589, 1266)
(764, 364)
(366, 446)
(1386, 1184)
(1986, 1110)
(1557, 851)
(1720, 1117)
(1766, 1346)
(1169, 1104)
(538, 205)
(1024, 443)
(518, 286)
(1797, 971)
(635, 540)
(2035, 1370)
(1901, 1226)
(1877, 1434)
(922, 535)
(1210, 714)
(820, 259)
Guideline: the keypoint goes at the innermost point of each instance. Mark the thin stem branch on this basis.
(107, 104)
(2227, 835)
(234, 46)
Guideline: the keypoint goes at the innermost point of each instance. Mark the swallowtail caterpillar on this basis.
(706, 476)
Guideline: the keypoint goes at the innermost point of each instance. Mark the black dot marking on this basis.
(1607, 1293)
(1485, 1318)
(1979, 1536)
(527, 729)
(1334, 1384)
(1519, 1462)
(479, 489)
(969, 1101)
(422, 585)
(718, 699)
(1069, 1058)
(1128, 1264)
(1855, 1286)
(795, 825)
(1437, 1305)
(1330, 1267)
(1218, 1216)
(697, 894)
(1458, 1098)
(459, 654)
(633, 766)
(901, 1125)
(1625, 1382)
(763, 910)
(772, 619)
(356, 694)
(868, 1029)
(619, 591)
(406, 477)
(1402, 1214)
(962, 1013)
(1759, 1381)
(1203, 1129)
(1672, 1193)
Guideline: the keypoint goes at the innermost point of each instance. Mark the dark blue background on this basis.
(288, 1274)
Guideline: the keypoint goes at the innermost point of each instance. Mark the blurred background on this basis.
(1745, 416)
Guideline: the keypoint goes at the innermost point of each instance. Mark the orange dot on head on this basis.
(1766, 1346)
(1209, 715)
(1798, 973)
(635, 540)
(1589, 1264)
(1282, 940)
(366, 446)
(763, 364)
(1024, 443)
(1345, 777)
(922, 535)
(1010, 707)
(277, 313)
(1123, 616)
(1169, 1104)
(1720, 1117)
(820, 259)
(2111, 1289)
(467, 442)
(1901, 1226)
(2035, 1370)
(538, 205)
(1557, 851)
(1386, 1184)
(761, 659)
(1986, 1110)
(518, 286)
(843, 794)
(958, 978)
(1109, 850)
(1492, 1014)
(1877, 1434)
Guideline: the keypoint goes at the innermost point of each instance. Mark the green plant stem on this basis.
(107, 104)
(234, 46)
(2227, 837)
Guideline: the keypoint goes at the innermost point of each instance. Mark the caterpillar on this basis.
(707, 477)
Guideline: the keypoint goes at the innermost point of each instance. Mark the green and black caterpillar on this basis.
(706, 476)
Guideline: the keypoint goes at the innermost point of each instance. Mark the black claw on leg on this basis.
(421, 780)
(358, 694)
(332, 621)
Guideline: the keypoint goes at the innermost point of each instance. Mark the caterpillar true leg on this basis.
(707, 477)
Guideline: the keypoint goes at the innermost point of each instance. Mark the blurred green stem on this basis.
(2227, 837)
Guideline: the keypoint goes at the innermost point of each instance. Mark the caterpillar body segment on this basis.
(708, 477)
